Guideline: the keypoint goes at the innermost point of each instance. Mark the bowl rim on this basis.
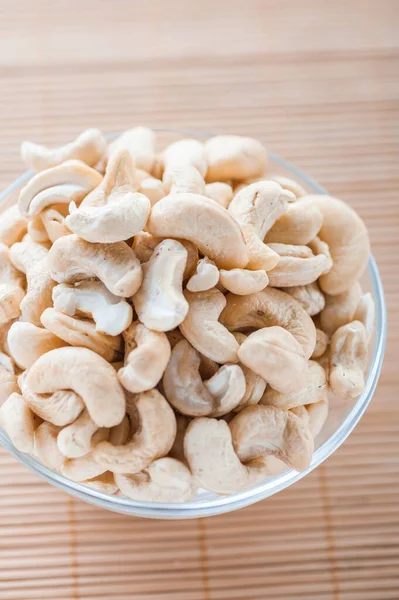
(222, 504)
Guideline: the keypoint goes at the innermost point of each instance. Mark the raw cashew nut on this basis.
(268, 308)
(75, 439)
(191, 396)
(165, 480)
(299, 225)
(205, 277)
(348, 360)
(203, 330)
(82, 468)
(153, 439)
(140, 142)
(317, 416)
(85, 373)
(243, 281)
(219, 191)
(160, 303)
(181, 179)
(152, 188)
(11, 287)
(234, 157)
(27, 343)
(144, 245)
(207, 368)
(67, 182)
(255, 385)
(274, 354)
(27, 254)
(347, 238)
(46, 447)
(365, 313)
(39, 293)
(12, 226)
(177, 450)
(314, 391)
(309, 297)
(72, 259)
(53, 220)
(289, 184)
(112, 212)
(183, 153)
(8, 383)
(322, 341)
(111, 314)
(340, 309)
(89, 147)
(211, 458)
(297, 265)
(146, 355)
(36, 230)
(18, 421)
(201, 221)
(261, 431)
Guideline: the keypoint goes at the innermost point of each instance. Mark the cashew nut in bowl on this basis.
(268, 308)
(317, 416)
(8, 383)
(53, 219)
(314, 391)
(112, 212)
(219, 191)
(85, 373)
(111, 314)
(104, 483)
(299, 225)
(204, 223)
(309, 297)
(346, 235)
(289, 184)
(140, 143)
(46, 447)
(89, 147)
(340, 309)
(348, 360)
(365, 313)
(82, 468)
(68, 182)
(177, 450)
(18, 421)
(11, 287)
(72, 259)
(297, 265)
(153, 439)
(82, 333)
(234, 157)
(243, 281)
(205, 277)
(12, 226)
(146, 355)
(255, 385)
(165, 480)
(27, 253)
(144, 245)
(27, 343)
(211, 458)
(322, 341)
(274, 354)
(74, 440)
(260, 431)
(191, 396)
(183, 178)
(203, 330)
(185, 152)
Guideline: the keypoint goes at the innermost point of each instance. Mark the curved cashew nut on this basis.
(243, 281)
(8, 383)
(191, 396)
(75, 439)
(104, 483)
(234, 157)
(365, 313)
(261, 431)
(83, 468)
(299, 225)
(340, 309)
(146, 355)
(219, 191)
(140, 142)
(144, 245)
(187, 152)
(289, 184)
(211, 458)
(322, 341)
(268, 308)
(165, 480)
(11, 287)
(111, 314)
(203, 330)
(72, 259)
(201, 221)
(297, 265)
(314, 391)
(347, 238)
(46, 447)
(53, 220)
(255, 385)
(85, 373)
(309, 297)
(27, 343)
(181, 179)
(206, 276)
(12, 226)
(89, 147)
(207, 368)
(348, 360)
(153, 439)
(159, 302)
(18, 421)
(274, 354)
(112, 212)
(68, 182)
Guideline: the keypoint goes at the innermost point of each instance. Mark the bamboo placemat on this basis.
(319, 82)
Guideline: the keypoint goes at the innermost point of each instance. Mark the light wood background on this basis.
(318, 81)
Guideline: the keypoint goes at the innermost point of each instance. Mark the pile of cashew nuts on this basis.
(173, 320)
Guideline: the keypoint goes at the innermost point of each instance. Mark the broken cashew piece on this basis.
(348, 360)
(309, 297)
(181, 179)
(75, 439)
(297, 265)
(299, 225)
(187, 152)
(340, 309)
(140, 143)
(205, 277)
(219, 191)
(27, 343)
(314, 391)
(243, 281)
(234, 157)
(11, 287)
(18, 421)
(72, 259)
(147, 354)
(12, 226)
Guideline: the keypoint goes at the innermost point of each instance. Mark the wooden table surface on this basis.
(318, 81)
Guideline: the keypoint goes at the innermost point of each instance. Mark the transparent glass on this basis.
(342, 418)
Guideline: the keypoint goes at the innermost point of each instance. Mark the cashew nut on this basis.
(111, 314)
(254, 384)
(140, 142)
(89, 147)
(37, 231)
(309, 297)
(317, 416)
(85, 373)
(144, 245)
(153, 439)
(322, 341)
(8, 383)
(27, 343)
(12, 226)
(27, 253)
(183, 178)
(340, 309)
(314, 391)
(177, 450)
(72, 259)
(152, 188)
(146, 355)
(53, 220)
(82, 468)
(183, 153)
(347, 238)
(268, 308)
(205, 277)
(18, 421)
(68, 182)
(203, 330)
(289, 184)
(112, 212)
(365, 313)
(348, 360)
(299, 225)
(219, 191)
(11, 287)
(202, 221)
(207, 368)
(46, 447)
(75, 439)
(243, 281)
(297, 265)
(234, 157)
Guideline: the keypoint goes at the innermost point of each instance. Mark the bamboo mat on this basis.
(318, 81)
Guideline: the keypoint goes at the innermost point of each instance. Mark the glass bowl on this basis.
(342, 417)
